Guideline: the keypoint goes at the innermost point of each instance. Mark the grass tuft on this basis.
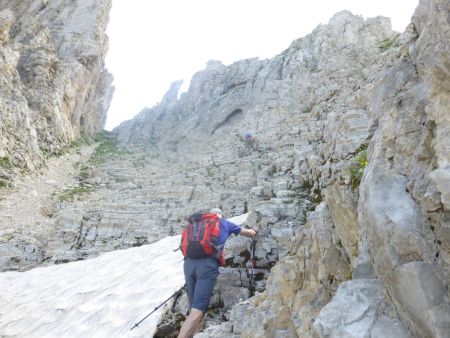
(3, 183)
(5, 162)
(107, 148)
(386, 43)
(357, 167)
(70, 194)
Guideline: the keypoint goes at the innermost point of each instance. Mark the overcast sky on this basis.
(156, 42)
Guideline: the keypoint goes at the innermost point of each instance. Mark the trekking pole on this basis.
(156, 308)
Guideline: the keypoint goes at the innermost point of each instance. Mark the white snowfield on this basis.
(100, 297)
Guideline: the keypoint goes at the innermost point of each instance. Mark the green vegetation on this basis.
(5, 162)
(386, 43)
(85, 173)
(70, 194)
(357, 168)
(107, 148)
(361, 148)
(3, 183)
(76, 144)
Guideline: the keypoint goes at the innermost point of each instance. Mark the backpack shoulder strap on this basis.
(197, 217)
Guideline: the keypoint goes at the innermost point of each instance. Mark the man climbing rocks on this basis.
(202, 245)
(250, 142)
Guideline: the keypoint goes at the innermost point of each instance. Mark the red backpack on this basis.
(199, 238)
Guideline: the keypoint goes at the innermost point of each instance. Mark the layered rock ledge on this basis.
(348, 186)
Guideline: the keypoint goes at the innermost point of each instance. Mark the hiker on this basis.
(250, 142)
(202, 261)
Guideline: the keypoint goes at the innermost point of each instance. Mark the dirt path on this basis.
(28, 206)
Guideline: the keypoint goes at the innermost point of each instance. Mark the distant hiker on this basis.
(202, 245)
(250, 142)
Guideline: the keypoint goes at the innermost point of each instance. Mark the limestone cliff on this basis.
(353, 116)
(54, 86)
(349, 186)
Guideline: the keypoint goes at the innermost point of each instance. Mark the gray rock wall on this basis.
(348, 186)
(356, 116)
(54, 86)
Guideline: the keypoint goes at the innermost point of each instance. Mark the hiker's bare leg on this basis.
(201, 326)
(192, 323)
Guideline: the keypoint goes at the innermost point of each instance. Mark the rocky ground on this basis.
(28, 206)
(348, 187)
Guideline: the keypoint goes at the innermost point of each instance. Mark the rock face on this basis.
(54, 87)
(348, 186)
(353, 115)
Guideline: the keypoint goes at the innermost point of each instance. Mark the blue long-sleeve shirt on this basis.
(226, 229)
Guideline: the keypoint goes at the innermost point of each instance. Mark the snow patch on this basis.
(99, 297)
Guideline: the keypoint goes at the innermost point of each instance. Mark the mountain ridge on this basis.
(349, 184)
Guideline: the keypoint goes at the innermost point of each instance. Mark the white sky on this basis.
(156, 42)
